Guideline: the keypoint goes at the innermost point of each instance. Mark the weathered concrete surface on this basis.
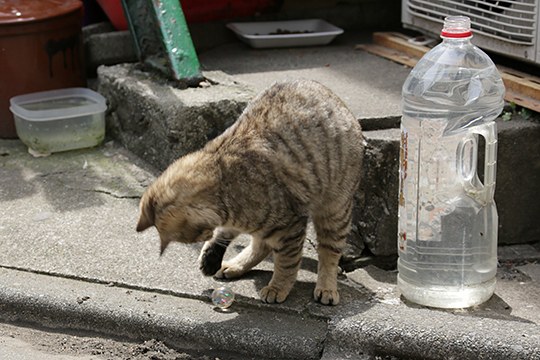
(410, 330)
(160, 122)
(180, 322)
(442, 338)
(376, 211)
(369, 85)
(107, 48)
(70, 258)
(518, 175)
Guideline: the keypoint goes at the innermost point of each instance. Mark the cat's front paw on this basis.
(271, 294)
(210, 261)
(229, 270)
(326, 296)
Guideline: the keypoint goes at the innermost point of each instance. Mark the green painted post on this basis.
(162, 38)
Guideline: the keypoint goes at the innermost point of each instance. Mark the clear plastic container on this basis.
(447, 240)
(59, 120)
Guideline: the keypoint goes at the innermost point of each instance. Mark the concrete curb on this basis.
(405, 333)
(377, 330)
(182, 323)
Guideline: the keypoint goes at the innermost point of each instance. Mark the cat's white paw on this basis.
(326, 296)
(271, 294)
(229, 271)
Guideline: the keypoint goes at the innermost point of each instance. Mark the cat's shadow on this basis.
(354, 297)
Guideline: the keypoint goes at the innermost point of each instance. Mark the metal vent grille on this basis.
(508, 20)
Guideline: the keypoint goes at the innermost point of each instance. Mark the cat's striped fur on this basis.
(295, 152)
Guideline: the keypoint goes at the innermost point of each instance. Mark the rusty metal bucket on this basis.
(40, 49)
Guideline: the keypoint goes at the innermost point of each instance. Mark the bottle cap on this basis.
(456, 27)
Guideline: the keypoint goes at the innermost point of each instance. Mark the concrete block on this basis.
(108, 48)
(516, 195)
(161, 123)
(518, 179)
(375, 212)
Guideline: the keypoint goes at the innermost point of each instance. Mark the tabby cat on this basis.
(295, 152)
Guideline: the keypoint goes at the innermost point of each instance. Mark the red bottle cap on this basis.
(456, 27)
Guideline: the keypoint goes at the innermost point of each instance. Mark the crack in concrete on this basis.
(103, 191)
(110, 193)
(44, 175)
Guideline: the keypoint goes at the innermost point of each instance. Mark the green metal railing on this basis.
(162, 39)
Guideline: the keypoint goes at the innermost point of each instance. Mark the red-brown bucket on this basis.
(40, 49)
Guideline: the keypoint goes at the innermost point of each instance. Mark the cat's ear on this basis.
(147, 216)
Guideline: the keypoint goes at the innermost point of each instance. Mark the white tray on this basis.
(309, 33)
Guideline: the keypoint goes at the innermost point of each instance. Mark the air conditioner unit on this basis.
(509, 27)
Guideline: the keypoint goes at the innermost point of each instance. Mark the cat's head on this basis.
(179, 210)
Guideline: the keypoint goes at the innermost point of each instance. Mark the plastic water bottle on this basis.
(447, 240)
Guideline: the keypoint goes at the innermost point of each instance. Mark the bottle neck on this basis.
(456, 40)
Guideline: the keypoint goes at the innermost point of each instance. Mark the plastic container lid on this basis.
(15, 11)
(57, 104)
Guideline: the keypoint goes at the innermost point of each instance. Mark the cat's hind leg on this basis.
(211, 255)
(287, 255)
(332, 227)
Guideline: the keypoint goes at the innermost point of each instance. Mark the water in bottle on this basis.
(447, 237)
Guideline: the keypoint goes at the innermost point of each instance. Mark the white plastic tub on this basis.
(59, 120)
(291, 33)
